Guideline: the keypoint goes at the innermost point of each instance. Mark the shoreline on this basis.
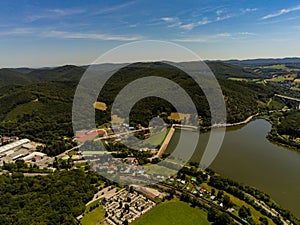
(223, 125)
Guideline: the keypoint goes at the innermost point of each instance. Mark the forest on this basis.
(57, 198)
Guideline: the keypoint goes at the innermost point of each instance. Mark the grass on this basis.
(172, 213)
(289, 77)
(157, 139)
(100, 106)
(295, 89)
(277, 66)
(238, 79)
(94, 217)
(161, 170)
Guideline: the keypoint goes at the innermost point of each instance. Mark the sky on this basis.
(50, 33)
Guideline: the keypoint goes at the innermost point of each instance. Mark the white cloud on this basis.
(95, 36)
(54, 13)
(192, 40)
(215, 37)
(204, 21)
(17, 32)
(113, 8)
(219, 12)
(188, 26)
(223, 35)
(249, 10)
(225, 17)
(281, 12)
(47, 33)
(168, 19)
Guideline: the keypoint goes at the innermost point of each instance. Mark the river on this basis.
(248, 157)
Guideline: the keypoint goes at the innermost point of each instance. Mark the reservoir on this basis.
(248, 157)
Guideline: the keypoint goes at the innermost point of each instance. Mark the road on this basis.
(120, 134)
(287, 97)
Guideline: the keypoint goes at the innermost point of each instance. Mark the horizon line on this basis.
(205, 60)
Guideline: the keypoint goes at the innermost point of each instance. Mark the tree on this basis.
(212, 214)
(227, 202)
(213, 191)
(263, 220)
(223, 219)
(220, 194)
(244, 212)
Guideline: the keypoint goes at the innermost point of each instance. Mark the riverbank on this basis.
(222, 125)
(284, 140)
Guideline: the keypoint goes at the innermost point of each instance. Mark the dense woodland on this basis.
(54, 199)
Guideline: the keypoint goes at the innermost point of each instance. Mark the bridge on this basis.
(290, 98)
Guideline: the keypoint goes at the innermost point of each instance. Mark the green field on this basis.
(276, 66)
(172, 213)
(157, 169)
(94, 217)
(157, 139)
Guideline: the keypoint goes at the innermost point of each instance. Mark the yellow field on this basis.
(297, 80)
(100, 106)
(176, 116)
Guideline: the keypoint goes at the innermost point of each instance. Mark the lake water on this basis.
(248, 157)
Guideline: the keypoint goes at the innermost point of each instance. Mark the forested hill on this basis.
(39, 107)
(23, 76)
(27, 76)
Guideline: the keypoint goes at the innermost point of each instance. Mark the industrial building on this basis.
(13, 145)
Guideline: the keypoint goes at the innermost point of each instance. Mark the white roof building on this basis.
(13, 145)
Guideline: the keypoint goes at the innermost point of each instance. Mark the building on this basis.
(13, 145)
(83, 136)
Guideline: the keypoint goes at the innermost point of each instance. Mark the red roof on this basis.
(100, 132)
(79, 133)
(83, 136)
(88, 136)
(151, 195)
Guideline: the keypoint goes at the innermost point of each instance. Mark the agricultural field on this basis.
(161, 170)
(172, 213)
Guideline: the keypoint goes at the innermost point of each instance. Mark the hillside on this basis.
(63, 73)
(229, 70)
(10, 77)
(23, 76)
(41, 109)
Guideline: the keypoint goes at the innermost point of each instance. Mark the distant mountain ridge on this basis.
(24, 76)
(263, 61)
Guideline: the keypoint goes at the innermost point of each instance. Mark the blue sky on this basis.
(47, 33)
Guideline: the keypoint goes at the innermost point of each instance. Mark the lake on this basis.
(248, 157)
